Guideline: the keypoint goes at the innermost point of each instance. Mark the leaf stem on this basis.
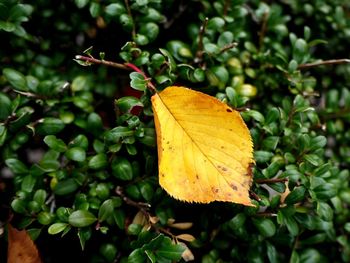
(126, 66)
(325, 62)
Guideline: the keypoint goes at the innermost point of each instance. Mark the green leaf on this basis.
(80, 83)
(325, 211)
(225, 38)
(134, 229)
(28, 183)
(126, 104)
(80, 141)
(313, 159)
(271, 253)
(6, 107)
(310, 255)
(40, 196)
(138, 81)
(76, 154)
(57, 228)
(45, 218)
(119, 218)
(16, 79)
(272, 115)
(34, 233)
(300, 51)
(255, 115)
(272, 169)
(115, 9)
(84, 234)
(262, 156)
(137, 256)
(3, 134)
(169, 250)
(237, 221)
(66, 187)
(291, 225)
(109, 251)
(147, 191)
(297, 195)
(122, 169)
(106, 210)
(271, 142)
(19, 206)
(265, 226)
(117, 133)
(16, 166)
(81, 3)
(55, 144)
(318, 142)
(98, 161)
(81, 218)
(150, 29)
(49, 126)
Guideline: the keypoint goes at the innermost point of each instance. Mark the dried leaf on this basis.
(21, 248)
(183, 226)
(285, 194)
(187, 255)
(205, 150)
(140, 219)
(186, 237)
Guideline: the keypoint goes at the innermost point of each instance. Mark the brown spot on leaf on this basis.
(228, 110)
(197, 177)
(234, 187)
(215, 190)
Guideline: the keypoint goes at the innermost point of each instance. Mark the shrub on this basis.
(78, 149)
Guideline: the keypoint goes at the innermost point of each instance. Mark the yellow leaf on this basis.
(205, 150)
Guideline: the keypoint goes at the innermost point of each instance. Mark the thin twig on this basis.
(126, 66)
(334, 115)
(271, 181)
(266, 214)
(176, 16)
(226, 6)
(142, 206)
(29, 94)
(102, 62)
(263, 29)
(255, 196)
(228, 47)
(325, 62)
(202, 29)
(133, 32)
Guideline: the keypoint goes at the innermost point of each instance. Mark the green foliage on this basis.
(78, 150)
